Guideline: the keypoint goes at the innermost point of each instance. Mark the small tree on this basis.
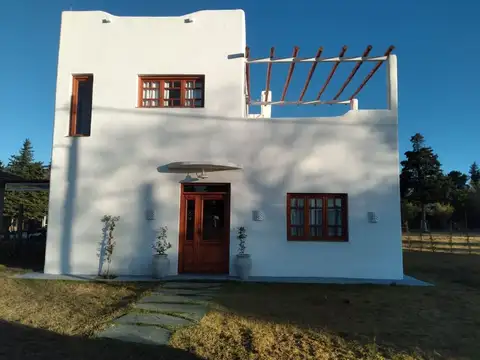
(34, 203)
(409, 212)
(421, 176)
(443, 212)
(110, 223)
(161, 245)
(242, 237)
(474, 172)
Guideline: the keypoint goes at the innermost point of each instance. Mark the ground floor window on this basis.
(317, 217)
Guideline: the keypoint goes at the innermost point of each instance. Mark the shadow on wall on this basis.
(141, 247)
(132, 148)
(208, 135)
(23, 342)
(69, 206)
(136, 259)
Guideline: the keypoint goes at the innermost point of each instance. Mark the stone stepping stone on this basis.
(190, 285)
(179, 299)
(195, 312)
(185, 292)
(152, 319)
(138, 334)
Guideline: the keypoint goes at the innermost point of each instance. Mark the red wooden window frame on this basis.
(161, 79)
(306, 236)
(73, 130)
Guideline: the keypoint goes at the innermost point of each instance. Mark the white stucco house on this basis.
(153, 123)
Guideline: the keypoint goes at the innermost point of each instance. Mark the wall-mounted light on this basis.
(150, 214)
(372, 217)
(258, 215)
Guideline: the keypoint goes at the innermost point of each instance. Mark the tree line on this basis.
(35, 204)
(432, 199)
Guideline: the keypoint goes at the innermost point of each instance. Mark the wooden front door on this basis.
(204, 231)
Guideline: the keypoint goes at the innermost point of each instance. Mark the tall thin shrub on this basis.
(110, 222)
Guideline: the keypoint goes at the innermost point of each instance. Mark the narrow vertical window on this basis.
(297, 217)
(81, 107)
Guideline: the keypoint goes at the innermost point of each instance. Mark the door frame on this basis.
(182, 220)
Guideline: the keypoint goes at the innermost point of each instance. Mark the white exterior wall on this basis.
(114, 171)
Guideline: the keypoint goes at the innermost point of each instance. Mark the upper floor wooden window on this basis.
(171, 91)
(81, 105)
(317, 217)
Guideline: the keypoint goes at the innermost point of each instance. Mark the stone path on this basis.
(169, 307)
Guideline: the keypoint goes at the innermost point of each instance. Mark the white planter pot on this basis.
(243, 266)
(161, 266)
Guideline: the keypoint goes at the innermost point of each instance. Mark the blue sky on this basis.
(436, 44)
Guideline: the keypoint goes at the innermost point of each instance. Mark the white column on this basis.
(266, 110)
(354, 104)
(392, 83)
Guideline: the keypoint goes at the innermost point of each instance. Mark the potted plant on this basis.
(161, 262)
(243, 263)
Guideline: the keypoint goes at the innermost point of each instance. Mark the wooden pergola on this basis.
(315, 60)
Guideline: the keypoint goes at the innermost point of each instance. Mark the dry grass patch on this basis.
(293, 321)
(65, 307)
(53, 320)
(262, 321)
(224, 335)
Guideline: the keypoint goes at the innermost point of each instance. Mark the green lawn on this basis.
(262, 321)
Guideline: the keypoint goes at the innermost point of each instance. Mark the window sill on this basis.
(319, 240)
(168, 107)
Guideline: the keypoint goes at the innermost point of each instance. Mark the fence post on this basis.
(432, 245)
(469, 245)
(450, 240)
(19, 240)
(409, 238)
